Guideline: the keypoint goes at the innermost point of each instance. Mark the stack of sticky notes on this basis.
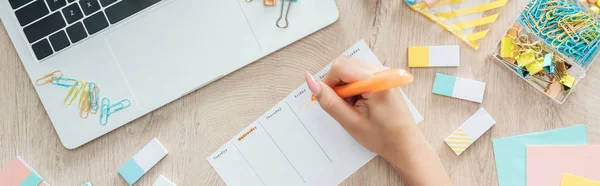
(162, 181)
(143, 161)
(434, 56)
(558, 157)
(19, 173)
(470, 131)
(460, 88)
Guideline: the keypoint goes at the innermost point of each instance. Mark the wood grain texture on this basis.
(194, 126)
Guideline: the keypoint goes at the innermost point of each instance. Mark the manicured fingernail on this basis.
(313, 85)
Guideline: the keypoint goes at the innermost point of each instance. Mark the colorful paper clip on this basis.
(73, 93)
(49, 78)
(64, 82)
(108, 109)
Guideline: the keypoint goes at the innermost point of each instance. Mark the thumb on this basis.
(341, 111)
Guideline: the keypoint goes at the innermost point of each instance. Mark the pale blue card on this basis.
(510, 152)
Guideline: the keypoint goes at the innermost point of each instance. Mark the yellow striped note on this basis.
(458, 141)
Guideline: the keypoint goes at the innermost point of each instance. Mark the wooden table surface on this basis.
(196, 125)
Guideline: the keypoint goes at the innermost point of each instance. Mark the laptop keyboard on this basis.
(52, 25)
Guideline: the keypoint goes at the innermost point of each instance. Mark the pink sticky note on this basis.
(547, 164)
(14, 173)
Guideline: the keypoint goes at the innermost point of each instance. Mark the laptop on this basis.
(150, 52)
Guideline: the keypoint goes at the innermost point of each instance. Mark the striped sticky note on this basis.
(162, 181)
(143, 161)
(434, 56)
(460, 88)
(19, 173)
(470, 131)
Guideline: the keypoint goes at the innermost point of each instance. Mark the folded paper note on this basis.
(470, 131)
(460, 17)
(433, 56)
(296, 142)
(162, 181)
(546, 164)
(572, 180)
(510, 152)
(460, 88)
(143, 161)
(19, 173)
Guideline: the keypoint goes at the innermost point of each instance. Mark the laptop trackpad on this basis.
(181, 46)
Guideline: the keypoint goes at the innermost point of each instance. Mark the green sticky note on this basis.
(510, 152)
(444, 84)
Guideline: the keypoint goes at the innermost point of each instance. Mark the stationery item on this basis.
(107, 109)
(459, 17)
(434, 56)
(270, 2)
(295, 142)
(49, 78)
(572, 180)
(162, 181)
(380, 81)
(287, 12)
(470, 131)
(19, 173)
(460, 88)
(143, 161)
(64, 82)
(87, 184)
(546, 164)
(510, 152)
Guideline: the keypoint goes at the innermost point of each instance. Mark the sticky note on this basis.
(572, 180)
(143, 161)
(470, 131)
(510, 152)
(507, 45)
(87, 184)
(162, 181)
(19, 173)
(525, 58)
(460, 88)
(546, 164)
(434, 56)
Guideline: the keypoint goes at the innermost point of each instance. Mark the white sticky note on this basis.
(143, 161)
(460, 88)
(162, 181)
(470, 131)
(434, 56)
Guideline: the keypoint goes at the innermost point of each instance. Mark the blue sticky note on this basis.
(34, 179)
(510, 152)
(444, 84)
(131, 172)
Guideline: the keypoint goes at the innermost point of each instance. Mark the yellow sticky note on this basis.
(507, 46)
(535, 67)
(525, 58)
(572, 180)
(418, 56)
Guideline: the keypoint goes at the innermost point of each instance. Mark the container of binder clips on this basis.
(551, 46)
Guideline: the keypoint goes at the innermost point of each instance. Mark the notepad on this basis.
(162, 181)
(19, 173)
(546, 164)
(295, 143)
(143, 161)
(460, 88)
(470, 131)
(433, 56)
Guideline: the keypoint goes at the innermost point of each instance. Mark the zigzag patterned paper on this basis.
(470, 131)
(460, 17)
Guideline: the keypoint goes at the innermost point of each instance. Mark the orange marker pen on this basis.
(379, 81)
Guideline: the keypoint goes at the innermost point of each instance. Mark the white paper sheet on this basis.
(295, 143)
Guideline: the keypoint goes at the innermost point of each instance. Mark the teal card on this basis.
(510, 152)
(444, 84)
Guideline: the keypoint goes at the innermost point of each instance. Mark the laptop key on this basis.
(56, 4)
(32, 12)
(89, 6)
(95, 23)
(42, 49)
(70, 1)
(105, 3)
(18, 3)
(76, 32)
(44, 27)
(59, 41)
(72, 13)
(126, 8)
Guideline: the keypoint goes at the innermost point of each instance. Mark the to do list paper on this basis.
(296, 142)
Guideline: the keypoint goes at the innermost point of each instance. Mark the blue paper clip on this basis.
(123, 104)
(104, 111)
(64, 82)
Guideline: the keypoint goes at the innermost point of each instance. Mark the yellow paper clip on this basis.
(84, 96)
(85, 112)
(73, 92)
(49, 78)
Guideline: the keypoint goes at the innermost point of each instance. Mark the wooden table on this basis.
(196, 125)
